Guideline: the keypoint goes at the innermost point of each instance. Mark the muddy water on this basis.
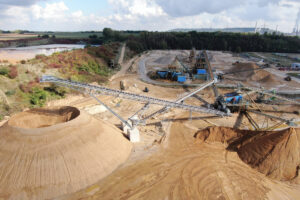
(23, 53)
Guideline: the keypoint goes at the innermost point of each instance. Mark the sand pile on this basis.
(260, 76)
(46, 153)
(269, 79)
(275, 153)
(190, 169)
(242, 67)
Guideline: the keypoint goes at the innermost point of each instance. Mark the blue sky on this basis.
(160, 15)
(101, 7)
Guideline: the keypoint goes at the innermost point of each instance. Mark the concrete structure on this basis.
(134, 135)
(132, 132)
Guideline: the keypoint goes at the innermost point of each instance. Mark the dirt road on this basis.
(120, 61)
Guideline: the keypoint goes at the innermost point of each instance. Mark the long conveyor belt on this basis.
(127, 95)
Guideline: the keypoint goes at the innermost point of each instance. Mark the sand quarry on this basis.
(74, 149)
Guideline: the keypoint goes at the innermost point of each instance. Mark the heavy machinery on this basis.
(171, 75)
(241, 101)
(288, 78)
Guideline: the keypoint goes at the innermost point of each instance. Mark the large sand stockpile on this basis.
(260, 76)
(274, 153)
(45, 153)
(189, 168)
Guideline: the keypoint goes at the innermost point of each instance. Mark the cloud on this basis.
(177, 8)
(18, 2)
(6, 4)
(146, 8)
(52, 11)
(150, 15)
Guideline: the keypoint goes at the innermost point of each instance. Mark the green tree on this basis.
(108, 33)
(238, 49)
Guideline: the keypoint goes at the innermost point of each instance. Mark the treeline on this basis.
(237, 42)
(15, 31)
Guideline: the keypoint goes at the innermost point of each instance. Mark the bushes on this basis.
(26, 88)
(38, 97)
(93, 68)
(10, 92)
(40, 56)
(54, 90)
(106, 52)
(54, 65)
(4, 71)
(13, 73)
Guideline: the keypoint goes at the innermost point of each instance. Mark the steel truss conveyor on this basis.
(126, 95)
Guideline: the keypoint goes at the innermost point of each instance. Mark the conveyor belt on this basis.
(203, 86)
(270, 94)
(131, 96)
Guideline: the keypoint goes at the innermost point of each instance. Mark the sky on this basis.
(152, 15)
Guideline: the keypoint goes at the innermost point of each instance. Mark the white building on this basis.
(295, 66)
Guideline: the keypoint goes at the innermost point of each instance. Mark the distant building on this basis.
(295, 66)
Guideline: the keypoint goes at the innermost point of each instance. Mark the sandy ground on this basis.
(184, 168)
(169, 162)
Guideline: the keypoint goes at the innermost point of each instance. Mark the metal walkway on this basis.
(117, 93)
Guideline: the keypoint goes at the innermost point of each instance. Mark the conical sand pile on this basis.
(260, 76)
(274, 153)
(71, 151)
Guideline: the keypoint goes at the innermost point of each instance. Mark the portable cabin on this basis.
(295, 66)
(201, 71)
(181, 78)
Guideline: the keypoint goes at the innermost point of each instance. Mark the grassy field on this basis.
(60, 35)
(15, 36)
(71, 35)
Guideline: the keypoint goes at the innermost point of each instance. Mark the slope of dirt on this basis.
(269, 79)
(189, 168)
(275, 153)
(72, 152)
(243, 67)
